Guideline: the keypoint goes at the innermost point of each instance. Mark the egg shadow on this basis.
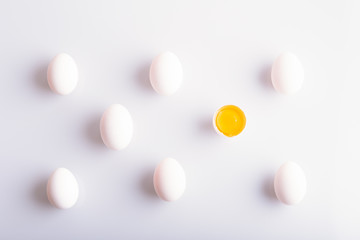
(40, 195)
(92, 131)
(147, 184)
(268, 188)
(206, 126)
(40, 78)
(265, 76)
(142, 76)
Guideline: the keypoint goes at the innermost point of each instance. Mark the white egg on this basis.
(166, 73)
(287, 73)
(116, 127)
(62, 189)
(169, 180)
(290, 183)
(62, 74)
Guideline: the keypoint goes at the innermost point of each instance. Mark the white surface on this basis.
(226, 49)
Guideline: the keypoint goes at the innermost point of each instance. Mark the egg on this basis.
(62, 189)
(116, 127)
(62, 74)
(166, 74)
(290, 183)
(229, 120)
(169, 180)
(287, 73)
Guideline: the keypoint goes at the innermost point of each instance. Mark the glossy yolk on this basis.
(230, 120)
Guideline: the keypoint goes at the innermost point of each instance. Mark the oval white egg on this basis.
(62, 74)
(169, 180)
(287, 73)
(166, 74)
(116, 127)
(290, 183)
(62, 189)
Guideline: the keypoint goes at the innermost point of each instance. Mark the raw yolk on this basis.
(230, 120)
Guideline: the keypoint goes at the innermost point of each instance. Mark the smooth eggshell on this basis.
(116, 127)
(290, 183)
(287, 73)
(166, 73)
(62, 189)
(62, 74)
(169, 180)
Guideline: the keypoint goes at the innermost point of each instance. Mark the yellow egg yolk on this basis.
(230, 120)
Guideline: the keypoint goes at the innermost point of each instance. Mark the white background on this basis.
(226, 48)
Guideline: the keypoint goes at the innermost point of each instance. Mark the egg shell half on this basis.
(116, 127)
(240, 113)
(287, 73)
(62, 74)
(290, 183)
(169, 180)
(62, 189)
(166, 73)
